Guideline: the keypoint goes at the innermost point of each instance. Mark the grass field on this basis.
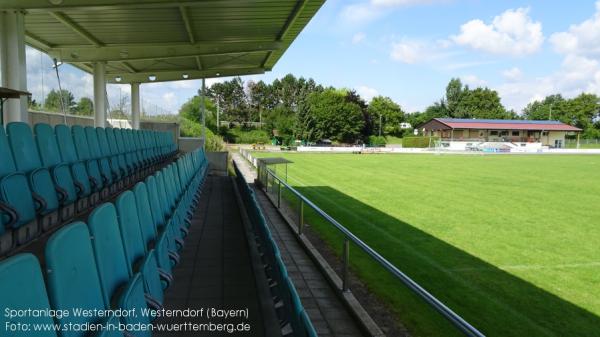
(511, 243)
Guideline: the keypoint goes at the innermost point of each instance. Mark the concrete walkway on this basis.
(216, 269)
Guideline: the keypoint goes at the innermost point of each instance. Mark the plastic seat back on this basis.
(73, 281)
(147, 224)
(96, 153)
(14, 191)
(81, 143)
(82, 148)
(27, 159)
(69, 155)
(133, 298)
(50, 155)
(162, 195)
(108, 246)
(155, 204)
(106, 152)
(22, 288)
(131, 233)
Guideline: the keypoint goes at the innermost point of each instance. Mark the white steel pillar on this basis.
(135, 105)
(100, 94)
(3, 51)
(12, 63)
(203, 110)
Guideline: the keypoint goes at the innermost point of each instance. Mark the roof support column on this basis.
(203, 111)
(135, 105)
(100, 94)
(13, 67)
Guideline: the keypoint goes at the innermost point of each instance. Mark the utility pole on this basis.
(379, 125)
(218, 112)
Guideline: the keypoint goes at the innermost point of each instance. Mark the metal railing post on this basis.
(301, 220)
(436, 304)
(345, 279)
(279, 195)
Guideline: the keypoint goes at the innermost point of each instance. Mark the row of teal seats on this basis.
(293, 319)
(48, 175)
(122, 259)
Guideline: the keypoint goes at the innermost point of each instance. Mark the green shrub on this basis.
(190, 128)
(377, 141)
(418, 142)
(239, 136)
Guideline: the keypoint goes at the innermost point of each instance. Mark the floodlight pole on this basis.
(203, 110)
(60, 92)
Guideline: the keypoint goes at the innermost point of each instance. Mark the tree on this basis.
(233, 98)
(541, 110)
(53, 98)
(191, 110)
(454, 95)
(85, 107)
(390, 112)
(582, 111)
(480, 103)
(334, 117)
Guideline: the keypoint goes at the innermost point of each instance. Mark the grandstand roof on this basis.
(498, 124)
(165, 39)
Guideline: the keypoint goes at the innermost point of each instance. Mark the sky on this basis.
(409, 50)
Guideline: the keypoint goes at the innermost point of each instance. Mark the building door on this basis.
(558, 143)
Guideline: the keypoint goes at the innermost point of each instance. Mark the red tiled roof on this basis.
(507, 125)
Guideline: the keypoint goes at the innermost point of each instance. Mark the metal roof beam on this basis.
(165, 76)
(186, 21)
(129, 67)
(300, 5)
(154, 52)
(199, 63)
(37, 41)
(46, 6)
(67, 21)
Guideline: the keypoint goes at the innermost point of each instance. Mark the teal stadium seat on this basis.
(84, 155)
(27, 160)
(148, 226)
(134, 245)
(115, 168)
(78, 169)
(133, 299)
(114, 150)
(22, 288)
(113, 268)
(103, 162)
(17, 209)
(72, 276)
(61, 172)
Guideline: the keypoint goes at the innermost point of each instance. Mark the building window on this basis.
(493, 133)
(544, 133)
(504, 133)
(515, 133)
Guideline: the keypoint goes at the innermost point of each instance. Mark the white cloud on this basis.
(408, 51)
(413, 51)
(510, 33)
(512, 74)
(580, 39)
(473, 81)
(579, 71)
(367, 93)
(366, 11)
(358, 38)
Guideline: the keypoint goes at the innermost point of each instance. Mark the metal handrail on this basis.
(440, 307)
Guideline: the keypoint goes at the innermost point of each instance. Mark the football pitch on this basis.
(509, 242)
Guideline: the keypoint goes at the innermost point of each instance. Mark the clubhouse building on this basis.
(516, 132)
